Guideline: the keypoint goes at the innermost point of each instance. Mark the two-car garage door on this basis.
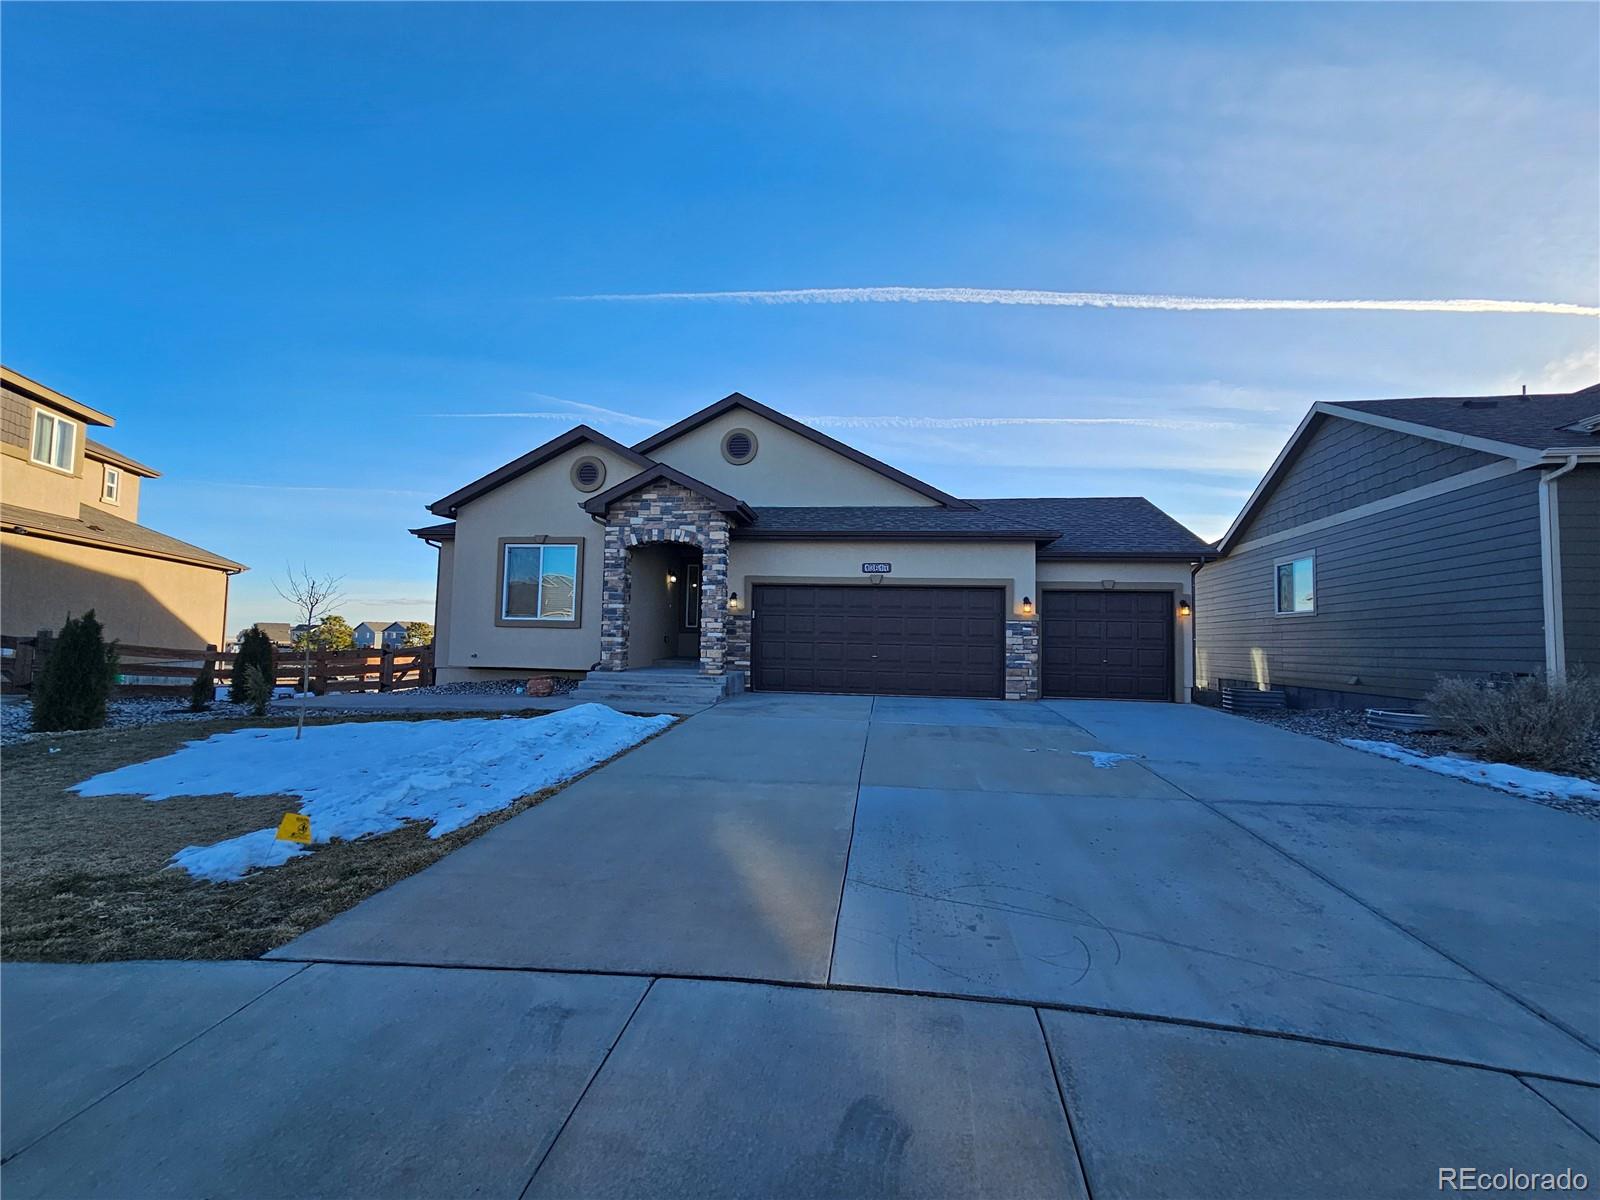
(908, 641)
(950, 641)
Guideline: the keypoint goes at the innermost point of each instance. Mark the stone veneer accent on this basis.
(665, 512)
(739, 644)
(1022, 660)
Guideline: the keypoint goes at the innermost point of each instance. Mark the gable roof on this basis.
(103, 453)
(1525, 429)
(96, 527)
(538, 456)
(738, 400)
(379, 626)
(1104, 527)
(1541, 422)
(596, 506)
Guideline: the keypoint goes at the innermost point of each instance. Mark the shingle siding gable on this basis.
(1343, 464)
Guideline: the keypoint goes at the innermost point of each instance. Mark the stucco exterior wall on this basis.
(1152, 576)
(542, 502)
(139, 600)
(42, 489)
(974, 564)
(92, 485)
(787, 469)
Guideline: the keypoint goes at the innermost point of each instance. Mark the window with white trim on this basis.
(55, 440)
(1295, 585)
(111, 489)
(539, 582)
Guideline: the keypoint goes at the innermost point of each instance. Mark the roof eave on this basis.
(216, 563)
(1123, 555)
(53, 398)
(757, 534)
(596, 506)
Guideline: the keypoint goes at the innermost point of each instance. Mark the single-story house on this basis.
(1396, 541)
(386, 635)
(743, 540)
(71, 539)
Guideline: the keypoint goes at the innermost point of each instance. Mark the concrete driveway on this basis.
(846, 946)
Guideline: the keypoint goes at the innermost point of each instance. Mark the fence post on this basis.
(319, 676)
(385, 669)
(429, 672)
(22, 665)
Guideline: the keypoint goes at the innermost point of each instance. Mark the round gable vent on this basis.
(739, 446)
(588, 474)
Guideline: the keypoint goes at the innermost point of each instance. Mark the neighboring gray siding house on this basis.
(745, 543)
(384, 635)
(1397, 541)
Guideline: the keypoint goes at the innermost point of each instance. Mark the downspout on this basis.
(1555, 643)
(1194, 627)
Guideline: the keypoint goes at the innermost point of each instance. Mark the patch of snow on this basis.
(1105, 759)
(372, 777)
(226, 862)
(1520, 781)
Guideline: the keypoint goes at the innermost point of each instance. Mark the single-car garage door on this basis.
(1110, 645)
(909, 641)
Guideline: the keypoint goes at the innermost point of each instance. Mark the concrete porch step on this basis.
(662, 685)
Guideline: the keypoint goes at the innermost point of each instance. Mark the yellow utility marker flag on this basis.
(294, 828)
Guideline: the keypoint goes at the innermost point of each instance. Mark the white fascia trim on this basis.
(1555, 639)
(1267, 480)
(1427, 491)
(1432, 432)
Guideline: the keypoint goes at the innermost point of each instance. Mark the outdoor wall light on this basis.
(671, 578)
(733, 601)
(1027, 606)
(1185, 609)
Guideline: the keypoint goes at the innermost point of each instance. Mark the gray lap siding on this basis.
(1450, 585)
(1345, 463)
(1578, 506)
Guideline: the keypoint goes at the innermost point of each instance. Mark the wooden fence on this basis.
(166, 670)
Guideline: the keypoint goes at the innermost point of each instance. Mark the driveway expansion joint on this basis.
(975, 998)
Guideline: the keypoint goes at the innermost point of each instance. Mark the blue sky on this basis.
(292, 247)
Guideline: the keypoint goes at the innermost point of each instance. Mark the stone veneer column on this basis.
(614, 592)
(665, 512)
(1022, 660)
(739, 632)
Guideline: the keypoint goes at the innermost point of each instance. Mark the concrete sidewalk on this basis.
(289, 1081)
(454, 702)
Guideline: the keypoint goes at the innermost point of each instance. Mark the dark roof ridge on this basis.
(538, 456)
(739, 400)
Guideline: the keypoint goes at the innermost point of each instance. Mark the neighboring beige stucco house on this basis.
(70, 537)
(743, 540)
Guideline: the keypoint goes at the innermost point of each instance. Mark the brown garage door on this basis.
(909, 641)
(1107, 645)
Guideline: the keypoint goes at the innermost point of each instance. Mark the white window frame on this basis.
(1309, 556)
(57, 423)
(111, 486)
(507, 545)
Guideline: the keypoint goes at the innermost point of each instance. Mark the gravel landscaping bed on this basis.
(1334, 725)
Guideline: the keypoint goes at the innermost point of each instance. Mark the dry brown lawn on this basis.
(86, 879)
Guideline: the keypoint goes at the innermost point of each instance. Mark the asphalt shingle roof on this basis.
(1536, 422)
(1104, 526)
(101, 528)
(888, 520)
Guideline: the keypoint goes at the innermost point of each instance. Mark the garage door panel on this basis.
(891, 640)
(1107, 644)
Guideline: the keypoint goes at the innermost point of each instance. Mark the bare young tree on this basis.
(314, 598)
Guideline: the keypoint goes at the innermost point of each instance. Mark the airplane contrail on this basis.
(1028, 297)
